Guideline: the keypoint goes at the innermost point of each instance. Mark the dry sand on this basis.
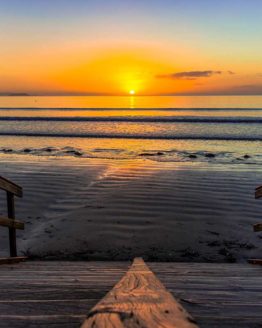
(118, 209)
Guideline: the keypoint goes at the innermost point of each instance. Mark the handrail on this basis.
(11, 187)
(257, 226)
(11, 190)
(258, 194)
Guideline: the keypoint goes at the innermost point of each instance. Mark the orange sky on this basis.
(114, 48)
(114, 71)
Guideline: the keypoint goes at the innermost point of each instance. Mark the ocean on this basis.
(174, 128)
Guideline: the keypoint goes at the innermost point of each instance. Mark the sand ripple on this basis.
(111, 209)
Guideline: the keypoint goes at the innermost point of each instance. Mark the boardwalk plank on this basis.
(56, 298)
(139, 300)
(217, 294)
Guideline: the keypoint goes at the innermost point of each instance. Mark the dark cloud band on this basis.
(190, 75)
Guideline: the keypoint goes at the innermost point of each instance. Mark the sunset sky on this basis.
(112, 47)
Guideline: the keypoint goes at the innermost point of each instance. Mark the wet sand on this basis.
(78, 208)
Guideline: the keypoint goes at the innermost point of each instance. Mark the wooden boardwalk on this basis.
(217, 295)
(60, 294)
(139, 300)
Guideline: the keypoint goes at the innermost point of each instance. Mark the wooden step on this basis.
(139, 299)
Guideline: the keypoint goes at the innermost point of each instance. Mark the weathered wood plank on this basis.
(44, 307)
(139, 300)
(216, 294)
(6, 222)
(58, 321)
(258, 227)
(8, 185)
(11, 260)
(28, 303)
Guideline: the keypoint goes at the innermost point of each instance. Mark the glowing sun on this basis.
(132, 92)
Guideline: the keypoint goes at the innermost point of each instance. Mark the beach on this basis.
(108, 209)
(169, 182)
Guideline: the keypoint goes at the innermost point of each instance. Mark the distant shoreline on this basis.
(130, 96)
(18, 94)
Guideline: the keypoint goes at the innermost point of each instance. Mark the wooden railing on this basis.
(258, 226)
(258, 194)
(11, 190)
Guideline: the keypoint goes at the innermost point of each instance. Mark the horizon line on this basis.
(86, 94)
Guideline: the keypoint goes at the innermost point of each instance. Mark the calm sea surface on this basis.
(162, 128)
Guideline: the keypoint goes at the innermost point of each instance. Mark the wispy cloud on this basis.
(190, 75)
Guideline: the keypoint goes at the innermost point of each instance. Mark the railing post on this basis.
(12, 231)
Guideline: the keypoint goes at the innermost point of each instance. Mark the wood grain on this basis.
(58, 294)
(6, 222)
(54, 294)
(139, 300)
(8, 185)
